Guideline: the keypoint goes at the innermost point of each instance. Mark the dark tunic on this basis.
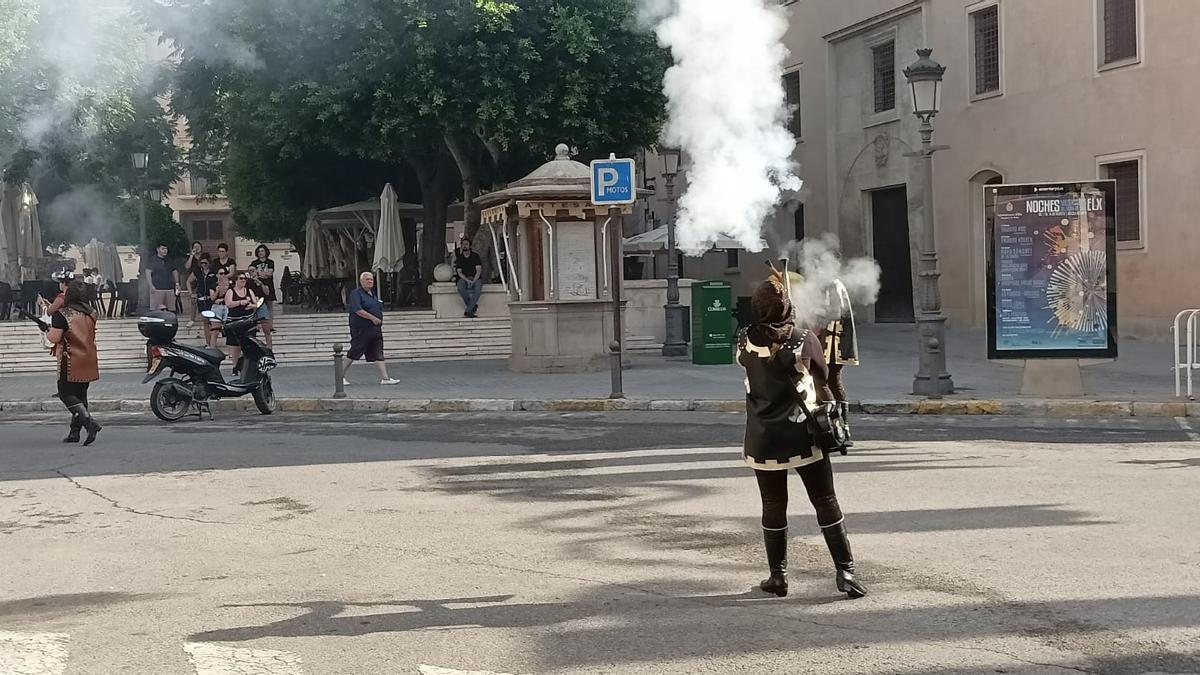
(777, 436)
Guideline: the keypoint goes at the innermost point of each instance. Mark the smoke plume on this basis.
(819, 265)
(727, 112)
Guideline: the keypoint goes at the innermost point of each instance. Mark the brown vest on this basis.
(78, 359)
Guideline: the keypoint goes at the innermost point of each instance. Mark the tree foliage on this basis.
(290, 101)
(77, 97)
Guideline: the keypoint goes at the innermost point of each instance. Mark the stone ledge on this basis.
(1028, 407)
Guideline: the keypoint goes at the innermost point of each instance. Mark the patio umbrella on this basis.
(8, 272)
(656, 240)
(18, 212)
(389, 240)
(316, 252)
(103, 257)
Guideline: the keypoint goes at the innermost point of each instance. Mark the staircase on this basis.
(300, 339)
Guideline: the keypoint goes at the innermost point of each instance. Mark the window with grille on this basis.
(799, 222)
(986, 32)
(883, 65)
(1120, 30)
(1129, 199)
(791, 90)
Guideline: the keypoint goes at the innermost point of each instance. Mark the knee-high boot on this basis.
(843, 559)
(76, 426)
(86, 422)
(776, 544)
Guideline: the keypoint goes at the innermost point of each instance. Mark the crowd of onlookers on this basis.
(215, 283)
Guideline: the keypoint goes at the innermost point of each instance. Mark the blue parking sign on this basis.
(613, 181)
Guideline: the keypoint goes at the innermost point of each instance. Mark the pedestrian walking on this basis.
(469, 268)
(784, 370)
(72, 332)
(240, 302)
(191, 268)
(366, 329)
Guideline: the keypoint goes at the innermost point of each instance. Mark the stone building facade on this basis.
(1034, 91)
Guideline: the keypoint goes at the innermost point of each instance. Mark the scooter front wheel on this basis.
(264, 396)
(167, 403)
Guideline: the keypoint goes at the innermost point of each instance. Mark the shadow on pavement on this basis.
(666, 621)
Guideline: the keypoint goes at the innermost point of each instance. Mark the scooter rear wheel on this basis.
(165, 401)
(264, 396)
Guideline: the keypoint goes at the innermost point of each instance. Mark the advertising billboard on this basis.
(1051, 273)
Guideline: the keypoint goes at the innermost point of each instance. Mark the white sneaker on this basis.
(345, 382)
(388, 382)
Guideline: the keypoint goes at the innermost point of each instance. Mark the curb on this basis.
(1058, 408)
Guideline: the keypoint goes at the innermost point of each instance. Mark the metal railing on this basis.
(1185, 323)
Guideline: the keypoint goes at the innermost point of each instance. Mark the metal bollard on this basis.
(615, 348)
(339, 374)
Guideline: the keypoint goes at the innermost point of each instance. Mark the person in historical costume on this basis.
(839, 340)
(72, 331)
(783, 363)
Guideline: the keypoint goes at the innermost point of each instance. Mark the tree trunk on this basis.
(428, 163)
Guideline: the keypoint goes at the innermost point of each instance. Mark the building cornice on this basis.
(874, 22)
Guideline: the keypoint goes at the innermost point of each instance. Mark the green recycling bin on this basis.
(712, 323)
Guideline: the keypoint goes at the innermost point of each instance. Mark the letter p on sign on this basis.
(613, 182)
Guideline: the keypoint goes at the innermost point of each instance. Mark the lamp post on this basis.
(674, 344)
(932, 380)
(139, 164)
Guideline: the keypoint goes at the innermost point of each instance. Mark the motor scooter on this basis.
(195, 378)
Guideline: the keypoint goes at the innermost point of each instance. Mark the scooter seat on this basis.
(214, 356)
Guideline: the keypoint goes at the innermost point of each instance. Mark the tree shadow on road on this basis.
(666, 620)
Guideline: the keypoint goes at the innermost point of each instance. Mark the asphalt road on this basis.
(585, 543)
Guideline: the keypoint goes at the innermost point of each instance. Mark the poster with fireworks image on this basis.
(1051, 287)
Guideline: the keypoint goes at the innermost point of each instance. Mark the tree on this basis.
(77, 98)
(457, 95)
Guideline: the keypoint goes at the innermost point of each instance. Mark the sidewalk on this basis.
(1141, 374)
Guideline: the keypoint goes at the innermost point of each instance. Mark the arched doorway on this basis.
(981, 228)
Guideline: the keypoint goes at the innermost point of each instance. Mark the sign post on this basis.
(614, 184)
(1052, 280)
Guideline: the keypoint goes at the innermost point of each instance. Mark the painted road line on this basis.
(436, 670)
(1187, 429)
(212, 659)
(33, 653)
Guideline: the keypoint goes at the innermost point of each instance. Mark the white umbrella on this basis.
(104, 258)
(389, 240)
(316, 252)
(656, 240)
(18, 213)
(8, 273)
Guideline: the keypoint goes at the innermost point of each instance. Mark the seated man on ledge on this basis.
(469, 268)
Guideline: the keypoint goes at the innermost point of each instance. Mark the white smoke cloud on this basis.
(727, 112)
(820, 264)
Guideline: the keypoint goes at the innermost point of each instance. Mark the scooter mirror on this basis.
(208, 314)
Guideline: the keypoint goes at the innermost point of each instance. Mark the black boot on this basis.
(843, 560)
(76, 425)
(86, 421)
(776, 544)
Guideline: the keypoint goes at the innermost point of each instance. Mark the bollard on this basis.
(615, 348)
(339, 374)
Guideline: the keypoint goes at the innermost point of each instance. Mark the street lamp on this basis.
(674, 344)
(932, 380)
(139, 164)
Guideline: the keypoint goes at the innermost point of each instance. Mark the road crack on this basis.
(128, 509)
